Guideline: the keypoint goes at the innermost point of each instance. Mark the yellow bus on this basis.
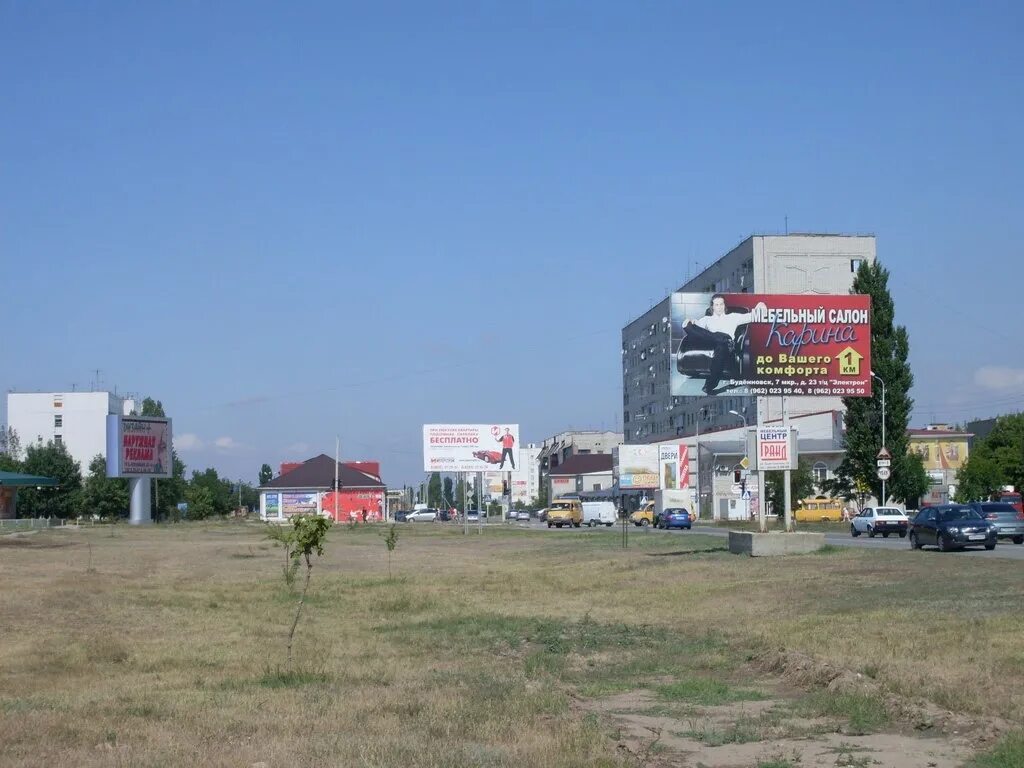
(820, 510)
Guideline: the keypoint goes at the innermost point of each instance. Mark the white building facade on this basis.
(76, 419)
(789, 264)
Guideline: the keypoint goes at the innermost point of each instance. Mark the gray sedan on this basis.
(1009, 523)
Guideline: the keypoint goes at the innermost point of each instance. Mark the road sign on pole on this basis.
(884, 473)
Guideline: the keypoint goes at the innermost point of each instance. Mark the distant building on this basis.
(76, 419)
(581, 473)
(525, 478)
(788, 264)
(308, 489)
(943, 450)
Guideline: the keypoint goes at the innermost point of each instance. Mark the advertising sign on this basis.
(273, 505)
(560, 486)
(298, 504)
(776, 448)
(674, 467)
(470, 447)
(770, 344)
(138, 446)
(637, 466)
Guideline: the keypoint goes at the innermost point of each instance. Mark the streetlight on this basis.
(737, 413)
(696, 445)
(876, 376)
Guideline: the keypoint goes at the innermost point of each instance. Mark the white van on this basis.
(599, 513)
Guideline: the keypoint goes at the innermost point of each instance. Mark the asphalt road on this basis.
(1004, 550)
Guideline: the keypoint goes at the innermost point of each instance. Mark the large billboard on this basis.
(637, 466)
(298, 504)
(138, 446)
(674, 467)
(770, 344)
(470, 447)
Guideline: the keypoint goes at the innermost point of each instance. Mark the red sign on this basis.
(771, 344)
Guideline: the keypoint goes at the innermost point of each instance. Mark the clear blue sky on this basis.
(288, 221)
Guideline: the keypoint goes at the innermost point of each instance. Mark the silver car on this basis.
(1008, 521)
(421, 515)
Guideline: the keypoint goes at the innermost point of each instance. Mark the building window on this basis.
(597, 487)
(820, 472)
(855, 264)
(57, 439)
(58, 421)
(58, 402)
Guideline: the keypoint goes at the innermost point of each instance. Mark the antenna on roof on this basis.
(786, 218)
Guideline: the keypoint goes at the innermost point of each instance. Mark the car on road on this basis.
(951, 526)
(444, 515)
(1004, 516)
(523, 516)
(565, 512)
(675, 517)
(473, 515)
(428, 515)
(883, 520)
(401, 514)
(542, 514)
(820, 509)
(643, 516)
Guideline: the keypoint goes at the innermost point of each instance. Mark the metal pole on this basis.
(762, 512)
(885, 496)
(696, 450)
(787, 494)
(480, 502)
(465, 502)
(337, 455)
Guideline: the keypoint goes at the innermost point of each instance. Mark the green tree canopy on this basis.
(102, 495)
(995, 461)
(266, 474)
(51, 460)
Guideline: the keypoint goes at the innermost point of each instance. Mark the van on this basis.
(820, 510)
(643, 516)
(599, 513)
(565, 512)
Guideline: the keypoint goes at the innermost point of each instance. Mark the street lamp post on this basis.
(700, 415)
(737, 413)
(876, 376)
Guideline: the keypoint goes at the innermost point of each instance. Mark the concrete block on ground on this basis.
(774, 544)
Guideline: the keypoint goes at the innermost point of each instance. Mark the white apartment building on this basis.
(798, 263)
(76, 419)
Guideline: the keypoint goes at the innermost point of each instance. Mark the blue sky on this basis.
(294, 221)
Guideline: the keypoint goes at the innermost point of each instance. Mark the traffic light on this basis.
(737, 475)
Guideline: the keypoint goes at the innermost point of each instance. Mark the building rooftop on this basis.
(318, 472)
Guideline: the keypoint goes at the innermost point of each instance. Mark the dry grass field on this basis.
(165, 646)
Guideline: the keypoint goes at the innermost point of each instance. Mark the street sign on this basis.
(884, 453)
(776, 448)
(745, 463)
(746, 495)
(884, 473)
(884, 462)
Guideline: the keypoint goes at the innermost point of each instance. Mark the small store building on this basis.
(308, 489)
(10, 482)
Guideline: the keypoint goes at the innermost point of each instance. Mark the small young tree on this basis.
(279, 534)
(308, 534)
(391, 541)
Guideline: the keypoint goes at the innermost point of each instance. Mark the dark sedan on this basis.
(951, 526)
(401, 514)
(1009, 523)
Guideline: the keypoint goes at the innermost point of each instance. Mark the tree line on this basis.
(204, 494)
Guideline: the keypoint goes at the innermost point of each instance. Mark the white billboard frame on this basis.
(470, 447)
(116, 456)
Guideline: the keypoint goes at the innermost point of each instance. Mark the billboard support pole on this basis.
(762, 512)
(696, 450)
(465, 502)
(138, 487)
(788, 474)
(480, 496)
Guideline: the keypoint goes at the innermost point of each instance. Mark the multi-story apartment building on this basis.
(800, 263)
(76, 419)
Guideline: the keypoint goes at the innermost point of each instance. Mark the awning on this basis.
(15, 479)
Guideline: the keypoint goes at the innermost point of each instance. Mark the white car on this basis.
(883, 520)
(422, 515)
(522, 515)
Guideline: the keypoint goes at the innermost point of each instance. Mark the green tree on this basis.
(995, 461)
(449, 493)
(434, 490)
(151, 407)
(460, 492)
(51, 460)
(10, 450)
(308, 534)
(220, 489)
(890, 347)
(102, 495)
(912, 481)
(801, 483)
(200, 502)
(168, 492)
(266, 474)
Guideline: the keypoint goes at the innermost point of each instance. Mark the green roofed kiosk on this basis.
(10, 482)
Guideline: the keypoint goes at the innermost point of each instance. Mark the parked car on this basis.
(951, 526)
(1004, 516)
(473, 515)
(401, 514)
(883, 520)
(523, 515)
(675, 517)
(428, 515)
(542, 514)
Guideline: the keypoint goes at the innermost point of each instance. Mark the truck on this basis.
(599, 513)
(671, 499)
